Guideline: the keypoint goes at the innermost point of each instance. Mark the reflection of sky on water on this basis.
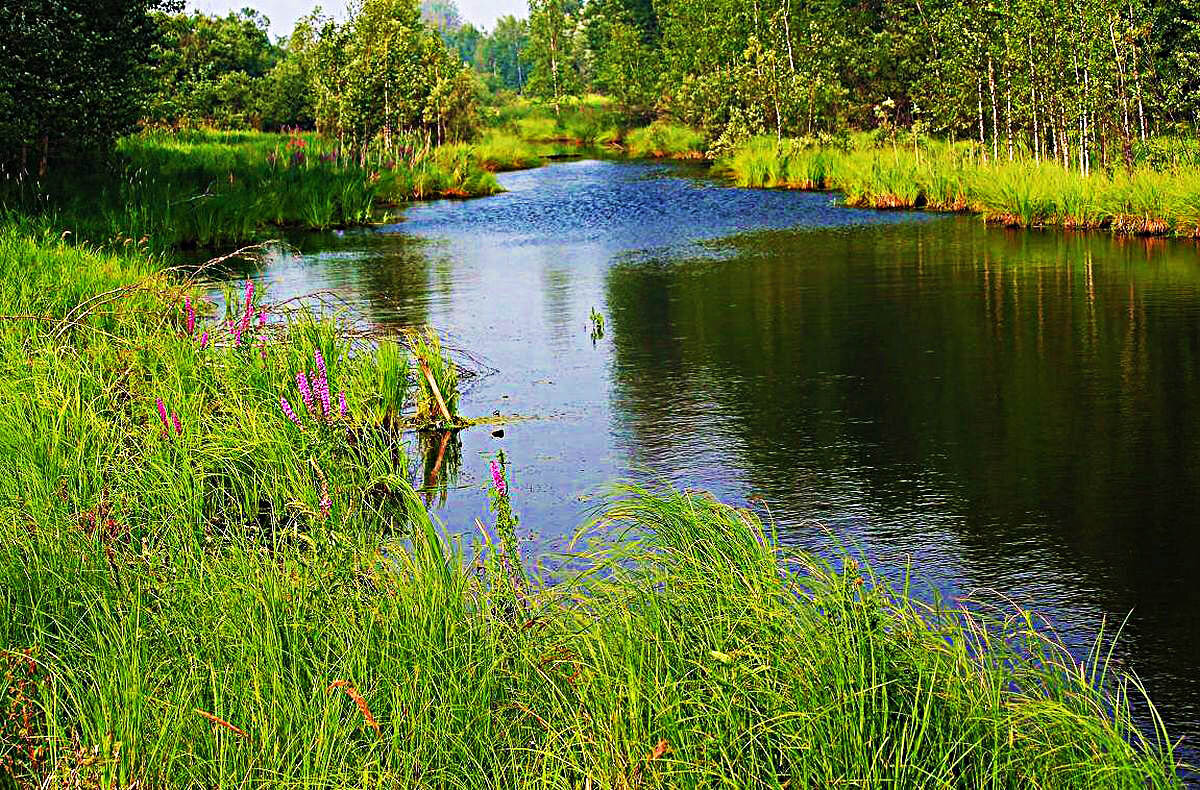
(1006, 411)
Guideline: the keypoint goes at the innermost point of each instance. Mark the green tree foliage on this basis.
(1084, 82)
(1174, 41)
(214, 69)
(441, 15)
(503, 55)
(628, 66)
(464, 40)
(384, 72)
(553, 27)
(73, 75)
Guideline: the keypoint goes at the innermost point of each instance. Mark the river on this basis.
(1012, 413)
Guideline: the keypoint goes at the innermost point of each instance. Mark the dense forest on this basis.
(1074, 81)
(73, 86)
(1081, 83)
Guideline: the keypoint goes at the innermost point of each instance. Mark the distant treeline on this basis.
(77, 74)
(1077, 81)
(226, 71)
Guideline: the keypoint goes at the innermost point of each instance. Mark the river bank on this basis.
(367, 644)
(1157, 197)
(936, 176)
(200, 188)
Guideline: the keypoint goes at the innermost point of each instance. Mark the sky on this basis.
(284, 13)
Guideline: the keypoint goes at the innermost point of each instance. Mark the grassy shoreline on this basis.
(206, 188)
(241, 597)
(950, 178)
(1159, 197)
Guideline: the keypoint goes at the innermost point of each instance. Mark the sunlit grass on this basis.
(944, 177)
(208, 188)
(257, 600)
(665, 141)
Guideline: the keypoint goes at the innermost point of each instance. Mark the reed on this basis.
(197, 188)
(939, 176)
(437, 381)
(252, 599)
(663, 140)
(500, 151)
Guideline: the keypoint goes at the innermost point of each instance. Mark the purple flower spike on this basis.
(291, 415)
(175, 421)
(322, 383)
(305, 391)
(191, 314)
(262, 317)
(203, 340)
(249, 307)
(342, 404)
(326, 507)
(498, 479)
(162, 413)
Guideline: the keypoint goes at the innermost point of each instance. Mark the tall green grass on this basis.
(663, 140)
(591, 123)
(208, 188)
(944, 177)
(251, 601)
(500, 151)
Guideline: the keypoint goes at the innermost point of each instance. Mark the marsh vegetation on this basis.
(215, 567)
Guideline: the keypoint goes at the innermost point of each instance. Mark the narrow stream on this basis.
(1014, 413)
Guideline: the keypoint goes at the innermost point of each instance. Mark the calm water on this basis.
(1015, 412)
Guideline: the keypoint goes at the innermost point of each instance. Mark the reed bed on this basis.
(593, 124)
(199, 188)
(499, 151)
(213, 574)
(943, 177)
(662, 140)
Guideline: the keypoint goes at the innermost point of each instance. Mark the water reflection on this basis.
(1016, 411)
(1013, 411)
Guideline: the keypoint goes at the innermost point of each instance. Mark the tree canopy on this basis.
(1076, 81)
(74, 75)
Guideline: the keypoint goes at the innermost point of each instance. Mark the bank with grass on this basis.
(205, 188)
(215, 570)
(1153, 199)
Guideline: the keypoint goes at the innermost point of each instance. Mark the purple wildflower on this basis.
(262, 317)
(175, 421)
(322, 383)
(291, 415)
(162, 413)
(326, 506)
(249, 307)
(498, 480)
(342, 404)
(191, 314)
(305, 391)
(203, 340)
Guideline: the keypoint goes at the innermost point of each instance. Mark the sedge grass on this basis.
(249, 601)
(943, 177)
(209, 188)
(663, 140)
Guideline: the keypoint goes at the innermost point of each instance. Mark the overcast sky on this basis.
(284, 13)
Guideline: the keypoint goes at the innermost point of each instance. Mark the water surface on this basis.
(1015, 412)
